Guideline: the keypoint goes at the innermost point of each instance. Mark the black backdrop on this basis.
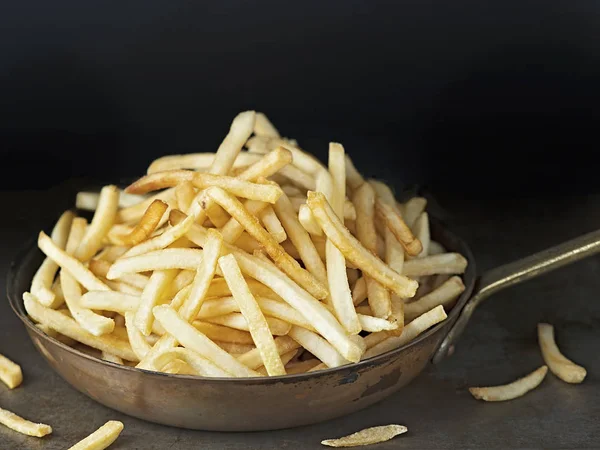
(476, 96)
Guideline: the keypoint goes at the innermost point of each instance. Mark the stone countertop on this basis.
(499, 345)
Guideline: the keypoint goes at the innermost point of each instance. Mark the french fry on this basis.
(321, 318)
(367, 436)
(412, 209)
(364, 201)
(272, 224)
(298, 177)
(359, 293)
(111, 253)
(239, 132)
(302, 160)
(561, 366)
(135, 212)
(285, 358)
(119, 286)
(135, 336)
(237, 349)
(233, 230)
(445, 263)
(104, 217)
(223, 334)
(185, 194)
(253, 358)
(512, 390)
(443, 295)
(300, 238)
(318, 347)
(10, 373)
(306, 219)
(271, 163)
(353, 176)
(67, 326)
(411, 331)
(264, 127)
(374, 324)
(112, 358)
(422, 233)
(158, 284)
(399, 228)
(238, 322)
(146, 226)
(23, 426)
(165, 259)
(197, 161)
(257, 324)
(88, 201)
(41, 284)
(354, 251)
(281, 258)
(101, 438)
(100, 268)
(70, 264)
(56, 335)
(199, 364)
(236, 186)
(191, 338)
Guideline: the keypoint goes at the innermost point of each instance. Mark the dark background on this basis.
(477, 97)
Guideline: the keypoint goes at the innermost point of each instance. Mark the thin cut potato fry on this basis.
(198, 161)
(445, 263)
(374, 324)
(135, 212)
(236, 186)
(233, 230)
(253, 358)
(185, 194)
(201, 365)
(318, 347)
(158, 284)
(146, 226)
(353, 176)
(119, 286)
(136, 338)
(264, 127)
(397, 225)
(306, 218)
(422, 233)
(412, 209)
(285, 358)
(271, 163)
(112, 358)
(257, 324)
(88, 201)
(168, 258)
(561, 366)
(111, 253)
(104, 218)
(302, 160)
(364, 201)
(41, 284)
(10, 372)
(100, 268)
(236, 349)
(239, 132)
(512, 390)
(56, 335)
(272, 224)
(70, 264)
(193, 339)
(274, 250)
(23, 426)
(321, 318)
(411, 331)
(238, 322)
(217, 216)
(359, 293)
(247, 243)
(298, 177)
(67, 326)
(300, 238)
(101, 438)
(223, 334)
(367, 436)
(355, 252)
(443, 295)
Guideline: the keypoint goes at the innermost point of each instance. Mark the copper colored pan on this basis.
(269, 403)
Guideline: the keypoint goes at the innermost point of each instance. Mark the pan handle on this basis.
(524, 269)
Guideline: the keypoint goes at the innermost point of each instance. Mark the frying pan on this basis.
(269, 403)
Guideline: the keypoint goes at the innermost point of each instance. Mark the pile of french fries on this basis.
(256, 260)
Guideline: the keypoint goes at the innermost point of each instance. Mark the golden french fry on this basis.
(238, 322)
(399, 228)
(101, 438)
(199, 364)
(367, 436)
(168, 258)
(70, 264)
(191, 338)
(67, 326)
(443, 295)
(119, 286)
(41, 284)
(135, 336)
(256, 321)
(104, 218)
(561, 366)
(23, 426)
(422, 233)
(359, 293)
(445, 263)
(374, 324)
(412, 209)
(135, 212)
(185, 194)
(411, 331)
(321, 318)
(285, 358)
(512, 390)
(364, 201)
(88, 201)
(272, 224)
(239, 132)
(274, 250)
(223, 334)
(237, 349)
(300, 238)
(10, 372)
(271, 163)
(146, 226)
(100, 268)
(253, 358)
(156, 287)
(298, 177)
(317, 346)
(308, 222)
(302, 160)
(353, 176)
(264, 127)
(198, 161)
(354, 251)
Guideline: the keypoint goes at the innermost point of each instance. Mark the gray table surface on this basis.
(499, 345)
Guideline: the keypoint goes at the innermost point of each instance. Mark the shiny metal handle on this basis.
(516, 272)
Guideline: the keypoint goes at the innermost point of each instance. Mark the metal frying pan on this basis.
(268, 403)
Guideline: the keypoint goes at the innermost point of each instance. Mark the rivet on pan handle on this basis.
(516, 272)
